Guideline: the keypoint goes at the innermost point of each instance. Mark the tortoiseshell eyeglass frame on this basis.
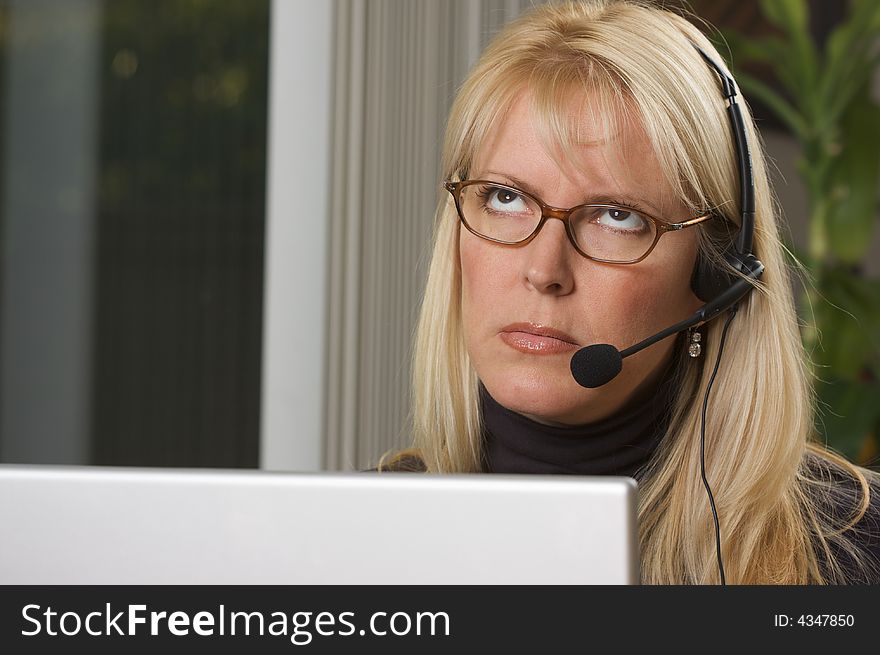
(564, 215)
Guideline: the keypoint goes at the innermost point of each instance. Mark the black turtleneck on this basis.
(617, 445)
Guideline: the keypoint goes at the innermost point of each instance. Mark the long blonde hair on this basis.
(772, 485)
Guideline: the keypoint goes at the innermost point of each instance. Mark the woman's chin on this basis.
(546, 399)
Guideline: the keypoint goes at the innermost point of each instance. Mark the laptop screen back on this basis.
(97, 525)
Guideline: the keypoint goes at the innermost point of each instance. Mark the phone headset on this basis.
(716, 287)
(719, 288)
(709, 283)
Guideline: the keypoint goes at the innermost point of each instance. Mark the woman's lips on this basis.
(537, 340)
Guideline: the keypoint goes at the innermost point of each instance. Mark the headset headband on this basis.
(743, 156)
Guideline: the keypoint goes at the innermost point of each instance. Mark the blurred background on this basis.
(215, 216)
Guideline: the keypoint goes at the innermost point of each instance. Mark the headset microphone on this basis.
(598, 364)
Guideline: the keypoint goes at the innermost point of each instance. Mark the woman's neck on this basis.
(620, 444)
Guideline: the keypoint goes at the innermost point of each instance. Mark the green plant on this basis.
(826, 104)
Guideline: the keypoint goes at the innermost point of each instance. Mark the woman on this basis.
(609, 108)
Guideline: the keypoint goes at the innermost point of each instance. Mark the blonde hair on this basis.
(773, 488)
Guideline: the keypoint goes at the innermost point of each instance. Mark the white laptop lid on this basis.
(102, 525)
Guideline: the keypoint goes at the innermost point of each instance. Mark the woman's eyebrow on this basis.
(510, 179)
(601, 198)
(629, 201)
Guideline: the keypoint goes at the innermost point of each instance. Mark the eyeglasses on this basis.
(614, 234)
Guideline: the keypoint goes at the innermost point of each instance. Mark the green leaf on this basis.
(800, 58)
(837, 95)
(841, 348)
(772, 51)
(848, 411)
(790, 15)
(847, 316)
(850, 38)
(849, 63)
(853, 205)
(776, 103)
(746, 48)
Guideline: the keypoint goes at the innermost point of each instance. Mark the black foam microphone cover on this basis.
(596, 365)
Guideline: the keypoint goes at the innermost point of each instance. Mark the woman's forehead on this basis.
(580, 142)
(584, 126)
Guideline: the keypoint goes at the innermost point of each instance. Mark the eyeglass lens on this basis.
(601, 231)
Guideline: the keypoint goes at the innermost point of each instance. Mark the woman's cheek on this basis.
(656, 293)
(483, 274)
(616, 305)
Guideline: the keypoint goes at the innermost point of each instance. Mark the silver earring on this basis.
(694, 347)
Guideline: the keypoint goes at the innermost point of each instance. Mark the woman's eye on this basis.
(622, 219)
(505, 201)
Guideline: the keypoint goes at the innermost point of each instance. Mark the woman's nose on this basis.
(548, 260)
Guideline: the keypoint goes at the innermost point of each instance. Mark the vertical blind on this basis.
(398, 65)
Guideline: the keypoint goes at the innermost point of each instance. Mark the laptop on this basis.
(119, 525)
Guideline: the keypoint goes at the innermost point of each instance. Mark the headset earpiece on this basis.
(710, 281)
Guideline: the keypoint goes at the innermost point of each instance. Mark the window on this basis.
(132, 210)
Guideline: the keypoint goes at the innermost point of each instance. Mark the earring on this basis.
(694, 347)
